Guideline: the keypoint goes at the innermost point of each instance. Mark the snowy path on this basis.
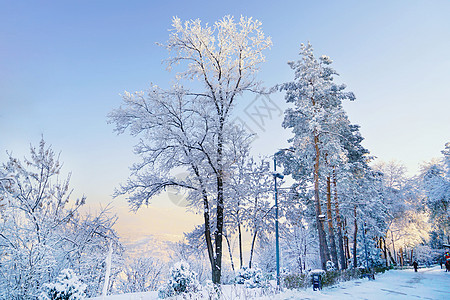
(428, 283)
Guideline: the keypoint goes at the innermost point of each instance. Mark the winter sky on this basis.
(64, 64)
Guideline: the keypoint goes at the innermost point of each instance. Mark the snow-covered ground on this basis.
(427, 283)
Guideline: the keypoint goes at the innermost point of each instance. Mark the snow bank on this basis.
(428, 283)
(132, 296)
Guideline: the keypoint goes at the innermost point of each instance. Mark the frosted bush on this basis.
(330, 266)
(250, 277)
(181, 280)
(212, 290)
(67, 287)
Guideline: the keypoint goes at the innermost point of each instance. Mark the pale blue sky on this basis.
(63, 65)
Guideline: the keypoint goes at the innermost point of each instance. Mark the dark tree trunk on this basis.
(339, 225)
(217, 270)
(229, 250)
(300, 264)
(355, 236)
(393, 247)
(251, 249)
(208, 240)
(333, 250)
(254, 236)
(347, 248)
(241, 261)
(323, 247)
(305, 251)
(400, 253)
(346, 242)
(390, 256)
(385, 251)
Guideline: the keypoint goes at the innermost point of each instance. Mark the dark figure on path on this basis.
(447, 266)
(440, 262)
(415, 265)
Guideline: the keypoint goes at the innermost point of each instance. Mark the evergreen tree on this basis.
(67, 287)
(315, 121)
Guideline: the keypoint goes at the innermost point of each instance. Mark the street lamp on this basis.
(277, 243)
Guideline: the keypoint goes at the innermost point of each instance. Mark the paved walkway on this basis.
(427, 283)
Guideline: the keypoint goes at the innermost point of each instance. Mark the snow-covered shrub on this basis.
(330, 266)
(250, 277)
(213, 291)
(165, 291)
(296, 281)
(141, 274)
(67, 287)
(181, 280)
(316, 271)
(331, 277)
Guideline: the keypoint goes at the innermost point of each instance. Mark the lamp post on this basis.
(277, 243)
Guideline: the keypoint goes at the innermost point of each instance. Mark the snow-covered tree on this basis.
(436, 186)
(67, 287)
(42, 230)
(251, 277)
(181, 280)
(192, 249)
(189, 128)
(315, 121)
(405, 222)
(248, 193)
(259, 212)
(142, 274)
(299, 248)
(329, 163)
(361, 202)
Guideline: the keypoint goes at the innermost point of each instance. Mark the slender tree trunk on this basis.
(355, 236)
(208, 240)
(323, 247)
(300, 264)
(217, 270)
(401, 256)
(346, 242)
(385, 252)
(241, 261)
(390, 256)
(229, 250)
(207, 224)
(346, 247)
(304, 256)
(254, 235)
(393, 246)
(333, 250)
(252, 248)
(339, 224)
